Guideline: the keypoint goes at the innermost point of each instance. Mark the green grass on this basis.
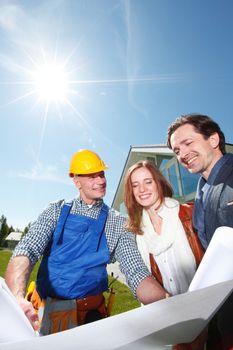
(5, 255)
(4, 258)
(124, 300)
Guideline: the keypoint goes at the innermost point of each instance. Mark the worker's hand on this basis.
(30, 312)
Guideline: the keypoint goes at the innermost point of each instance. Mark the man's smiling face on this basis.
(193, 151)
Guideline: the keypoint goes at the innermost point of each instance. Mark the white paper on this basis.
(155, 326)
(14, 325)
(217, 263)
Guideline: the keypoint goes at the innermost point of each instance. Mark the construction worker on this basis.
(77, 239)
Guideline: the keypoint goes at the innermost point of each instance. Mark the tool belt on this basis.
(90, 309)
(57, 315)
(60, 315)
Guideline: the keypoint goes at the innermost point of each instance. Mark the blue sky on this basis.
(131, 67)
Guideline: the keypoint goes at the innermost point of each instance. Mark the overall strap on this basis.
(101, 224)
(103, 216)
(65, 210)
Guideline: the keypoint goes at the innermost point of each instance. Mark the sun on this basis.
(51, 83)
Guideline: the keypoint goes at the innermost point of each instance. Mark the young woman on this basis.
(163, 230)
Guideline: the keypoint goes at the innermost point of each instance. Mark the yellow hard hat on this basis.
(86, 162)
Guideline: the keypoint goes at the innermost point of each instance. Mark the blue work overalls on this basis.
(74, 264)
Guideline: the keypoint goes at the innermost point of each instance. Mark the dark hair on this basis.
(135, 209)
(202, 124)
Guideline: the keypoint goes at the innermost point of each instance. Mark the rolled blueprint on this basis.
(155, 326)
(217, 263)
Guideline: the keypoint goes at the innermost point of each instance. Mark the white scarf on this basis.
(172, 241)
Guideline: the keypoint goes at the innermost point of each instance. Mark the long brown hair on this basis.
(134, 209)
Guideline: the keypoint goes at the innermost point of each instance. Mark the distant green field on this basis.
(124, 300)
(5, 255)
(4, 258)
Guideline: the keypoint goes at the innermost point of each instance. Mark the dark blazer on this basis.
(219, 201)
(219, 212)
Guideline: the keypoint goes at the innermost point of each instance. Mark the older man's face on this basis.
(91, 187)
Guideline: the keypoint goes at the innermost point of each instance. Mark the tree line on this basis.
(5, 230)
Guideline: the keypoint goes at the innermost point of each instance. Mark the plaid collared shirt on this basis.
(121, 243)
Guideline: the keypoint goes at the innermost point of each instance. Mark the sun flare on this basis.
(51, 83)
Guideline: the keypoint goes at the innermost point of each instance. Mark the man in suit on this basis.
(199, 145)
